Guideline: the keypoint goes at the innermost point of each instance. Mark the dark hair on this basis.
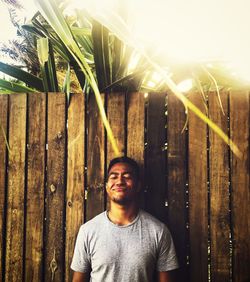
(126, 160)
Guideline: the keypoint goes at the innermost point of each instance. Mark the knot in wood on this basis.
(52, 188)
(70, 204)
(53, 265)
(14, 211)
(99, 186)
(59, 135)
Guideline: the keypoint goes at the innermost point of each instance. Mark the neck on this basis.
(122, 215)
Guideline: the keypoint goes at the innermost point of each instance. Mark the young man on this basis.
(123, 244)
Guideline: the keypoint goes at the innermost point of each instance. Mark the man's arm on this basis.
(165, 276)
(80, 277)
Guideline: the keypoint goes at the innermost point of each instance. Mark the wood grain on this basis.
(16, 188)
(135, 134)
(239, 129)
(95, 163)
(219, 190)
(198, 194)
(177, 178)
(135, 126)
(3, 175)
(35, 187)
(116, 118)
(34, 245)
(156, 156)
(75, 176)
(55, 190)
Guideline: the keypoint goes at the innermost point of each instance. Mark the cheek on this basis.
(108, 187)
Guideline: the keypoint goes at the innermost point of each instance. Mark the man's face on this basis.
(122, 184)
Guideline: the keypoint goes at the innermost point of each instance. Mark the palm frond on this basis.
(54, 17)
(14, 87)
(21, 75)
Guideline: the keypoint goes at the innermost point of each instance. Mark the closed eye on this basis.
(113, 176)
(127, 176)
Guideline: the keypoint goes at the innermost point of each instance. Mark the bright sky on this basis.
(185, 29)
(7, 30)
(189, 30)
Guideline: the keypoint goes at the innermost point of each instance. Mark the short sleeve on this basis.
(167, 259)
(81, 260)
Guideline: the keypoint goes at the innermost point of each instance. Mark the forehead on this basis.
(121, 167)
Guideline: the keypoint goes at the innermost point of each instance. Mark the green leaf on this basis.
(54, 17)
(24, 76)
(83, 31)
(52, 71)
(43, 50)
(14, 87)
(101, 54)
(66, 84)
(32, 29)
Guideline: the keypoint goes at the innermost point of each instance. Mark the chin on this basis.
(121, 201)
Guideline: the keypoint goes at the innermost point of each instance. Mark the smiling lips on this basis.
(119, 189)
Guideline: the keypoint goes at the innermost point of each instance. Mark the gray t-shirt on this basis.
(124, 253)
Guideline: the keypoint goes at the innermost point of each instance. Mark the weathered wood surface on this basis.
(75, 176)
(3, 175)
(177, 179)
(35, 187)
(198, 194)
(95, 161)
(16, 188)
(55, 188)
(135, 134)
(156, 196)
(116, 118)
(38, 232)
(135, 126)
(239, 130)
(219, 190)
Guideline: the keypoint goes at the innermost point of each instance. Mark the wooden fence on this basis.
(52, 179)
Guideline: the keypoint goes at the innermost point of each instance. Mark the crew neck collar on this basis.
(122, 226)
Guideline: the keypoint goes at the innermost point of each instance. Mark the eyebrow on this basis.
(116, 173)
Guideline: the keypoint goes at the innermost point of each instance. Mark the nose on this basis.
(120, 179)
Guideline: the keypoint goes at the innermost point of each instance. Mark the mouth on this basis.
(119, 189)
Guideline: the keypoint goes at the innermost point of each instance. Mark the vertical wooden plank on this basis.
(75, 176)
(177, 178)
(198, 199)
(239, 128)
(3, 164)
(135, 133)
(219, 191)
(95, 163)
(55, 191)
(16, 188)
(35, 187)
(156, 156)
(135, 126)
(116, 117)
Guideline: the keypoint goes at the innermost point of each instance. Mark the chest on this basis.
(124, 248)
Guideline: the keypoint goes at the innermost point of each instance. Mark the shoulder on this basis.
(149, 219)
(93, 224)
(153, 224)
